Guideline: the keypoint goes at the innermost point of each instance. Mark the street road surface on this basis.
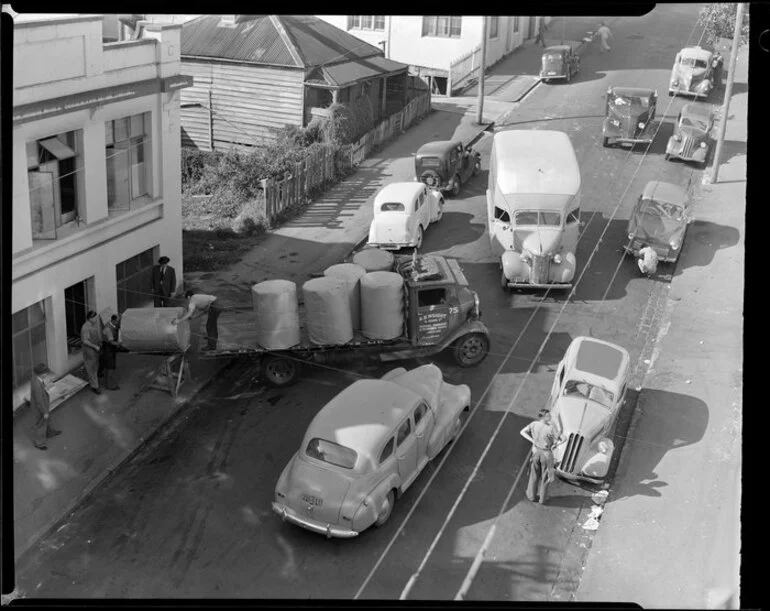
(192, 518)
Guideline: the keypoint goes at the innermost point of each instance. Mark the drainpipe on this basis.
(387, 45)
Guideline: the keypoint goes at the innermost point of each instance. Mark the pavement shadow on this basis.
(677, 421)
(453, 229)
(730, 149)
(704, 240)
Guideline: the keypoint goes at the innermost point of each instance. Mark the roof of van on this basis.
(537, 161)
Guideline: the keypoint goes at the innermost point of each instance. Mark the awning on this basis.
(347, 73)
(57, 148)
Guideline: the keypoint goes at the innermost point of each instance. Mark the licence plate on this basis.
(552, 72)
(312, 500)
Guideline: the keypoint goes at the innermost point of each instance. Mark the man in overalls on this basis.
(544, 437)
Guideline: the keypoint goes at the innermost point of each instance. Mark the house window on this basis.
(493, 24)
(29, 347)
(128, 168)
(134, 280)
(53, 173)
(442, 26)
(515, 24)
(366, 22)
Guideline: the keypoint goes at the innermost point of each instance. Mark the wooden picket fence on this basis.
(463, 69)
(325, 167)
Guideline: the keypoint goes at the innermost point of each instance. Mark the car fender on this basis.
(598, 463)
(513, 265)
(469, 326)
(564, 271)
(670, 145)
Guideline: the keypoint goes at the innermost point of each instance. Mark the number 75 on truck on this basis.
(533, 208)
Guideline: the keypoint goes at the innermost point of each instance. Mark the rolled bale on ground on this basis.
(382, 305)
(351, 274)
(374, 260)
(327, 311)
(150, 330)
(277, 313)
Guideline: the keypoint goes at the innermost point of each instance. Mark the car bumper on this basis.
(664, 256)
(579, 477)
(536, 285)
(316, 526)
(698, 155)
(392, 245)
(624, 140)
(694, 94)
(548, 77)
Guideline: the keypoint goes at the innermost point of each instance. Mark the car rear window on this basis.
(331, 452)
(552, 57)
(430, 162)
(392, 207)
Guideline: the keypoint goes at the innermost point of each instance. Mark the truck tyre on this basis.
(279, 371)
(471, 349)
(388, 510)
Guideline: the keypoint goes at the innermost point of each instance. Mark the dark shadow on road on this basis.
(730, 149)
(703, 240)
(453, 229)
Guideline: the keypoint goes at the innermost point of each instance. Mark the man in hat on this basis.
(163, 283)
(110, 346)
(91, 338)
(199, 304)
(604, 33)
(544, 437)
(40, 403)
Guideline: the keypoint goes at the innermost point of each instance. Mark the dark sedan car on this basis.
(690, 140)
(660, 220)
(559, 62)
(446, 165)
(629, 115)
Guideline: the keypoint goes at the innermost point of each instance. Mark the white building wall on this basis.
(42, 269)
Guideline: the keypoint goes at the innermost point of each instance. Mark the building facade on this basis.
(96, 179)
(431, 44)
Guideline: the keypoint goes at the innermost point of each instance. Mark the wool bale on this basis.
(382, 305)
(351, 274)
(327, 311)
(151, 330)
(374, 260)
(277, 313)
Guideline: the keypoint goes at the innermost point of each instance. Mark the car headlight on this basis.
(615, 122)
(678, 138)
(675, 83)
(675, 243)
(703, 145)
(525, 257)
(603, 446)
(640, 125)
(557, 258)
(630, 236)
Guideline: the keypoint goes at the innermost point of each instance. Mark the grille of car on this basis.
(688, 145)
(571, 453)
(539, 269)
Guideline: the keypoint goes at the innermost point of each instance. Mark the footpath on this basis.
(101, 432)
(669, 536)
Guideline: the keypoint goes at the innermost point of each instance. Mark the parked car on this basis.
(696, 72)
(402, 213)
(659, 219)
(365, 448)
(446, 165)
(588, 390)
(629, 116)
(533, 208)
(559, 62)
(690, 140)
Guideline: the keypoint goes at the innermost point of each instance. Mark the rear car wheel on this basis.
(477, 166)
(455, 185)
(460, 422)
(390, 501)
(440, 213)
(418, 242)
(471, 349)
(280, 371)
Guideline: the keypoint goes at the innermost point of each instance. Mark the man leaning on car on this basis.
(543, 436)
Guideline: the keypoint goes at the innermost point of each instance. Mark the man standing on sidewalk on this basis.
(544, 437)
(110, 347)
(40, 403)
(90, 337)
(163, 282)
(541, 33)
(199, 304)
(604, 33)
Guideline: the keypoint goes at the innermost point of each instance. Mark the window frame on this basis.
(375, 23)
(408, 424)
(452, 26)
(30, 328)
(130, 135)
(494, 32)
(391, 443)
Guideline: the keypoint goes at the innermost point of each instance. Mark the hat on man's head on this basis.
(40, 368)
(163, 260)
(543, 412)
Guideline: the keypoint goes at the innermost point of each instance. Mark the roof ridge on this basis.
(287, 40)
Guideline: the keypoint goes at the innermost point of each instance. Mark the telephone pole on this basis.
(728, 94)
(482, 69)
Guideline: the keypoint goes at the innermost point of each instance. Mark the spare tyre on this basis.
(431, 178)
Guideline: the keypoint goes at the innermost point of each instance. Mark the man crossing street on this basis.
(544, 437)
(604, 33)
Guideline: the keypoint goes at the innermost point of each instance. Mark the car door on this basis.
(406, 452)
(423, 429)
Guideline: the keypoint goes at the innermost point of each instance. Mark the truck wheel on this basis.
(455, 186)
(460, 422)
(387, 510)
(605, 141)
(471, 349)
(280, 371)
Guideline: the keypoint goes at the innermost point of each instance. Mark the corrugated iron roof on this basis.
(349, 72)
(306, 41)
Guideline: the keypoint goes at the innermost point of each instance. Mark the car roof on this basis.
(599, 360)
(438, 146)
(697, 52)
(364, 415)
(557, 48)
(697, 110)
(538, 161)
(633, 91)
(664, 192)
(399, 191)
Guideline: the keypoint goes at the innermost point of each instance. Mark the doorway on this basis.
(76, 306)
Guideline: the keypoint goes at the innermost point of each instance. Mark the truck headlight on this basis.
(675, 243)
(640, 125)
(603, 446)
(525, 257)
(675, 83)
(557, 258)
(630, 236)
(703, 145)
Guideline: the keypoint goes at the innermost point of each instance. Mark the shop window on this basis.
(29, 345)
(134, 280)
(53, 173)
(127, 142)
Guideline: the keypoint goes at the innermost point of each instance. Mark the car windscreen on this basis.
(331, 452)
(537, 217)
(430, 162)
(392, 207)
(625, 101)
(650, 207)
(578, 388)
(696, 123)
(693, 62)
